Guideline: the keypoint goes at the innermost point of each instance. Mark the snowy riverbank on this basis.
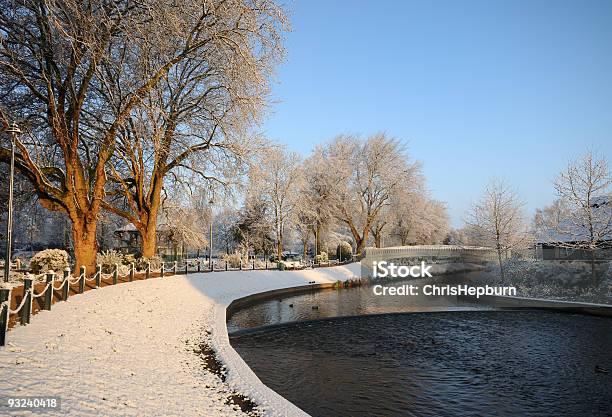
(132, 349)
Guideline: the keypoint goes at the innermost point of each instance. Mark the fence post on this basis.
(148, 271)
(26, 310)
(116, 274)
(66, 284)
(98, 275)
(240, 264)
(174, 268)
(162, 269)
(226, 265)
(199, 267)
(132, 272)
(186, 267)
(212, 266)
(253, 264)
(5, 300)
(82, 279)
(266, 262)
(49, 292)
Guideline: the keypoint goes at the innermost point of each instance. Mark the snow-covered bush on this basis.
(108, 259)
(49, 259)
(141, 263)
(322, 258)
(344, 251)
(233, 260)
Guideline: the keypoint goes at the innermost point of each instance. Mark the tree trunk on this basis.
(305, 249)
(85, 244)
(318, 240)
(148, 236)
(279, 250)
(377, 240)
(501, 266)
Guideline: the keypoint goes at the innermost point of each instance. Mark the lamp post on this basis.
(13, 130)
(210, 241)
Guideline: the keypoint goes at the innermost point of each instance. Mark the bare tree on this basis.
(586, 220)
(366, 173)
(278, 180)
(497, 220)
(72, 73)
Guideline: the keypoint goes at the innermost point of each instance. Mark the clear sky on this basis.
(511, 89)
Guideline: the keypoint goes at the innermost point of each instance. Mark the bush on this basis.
(344, 251)
(233, 260)
(108, 259)
(322, 258)
(49, 259)
(141, 263)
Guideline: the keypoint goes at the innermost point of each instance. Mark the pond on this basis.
(470, 362)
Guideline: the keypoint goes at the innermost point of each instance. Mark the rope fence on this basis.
(24, 310)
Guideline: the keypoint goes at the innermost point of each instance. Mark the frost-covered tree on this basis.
(496, 220)
(365, 174)
(584, 190)
(72, 73)
(277, 179)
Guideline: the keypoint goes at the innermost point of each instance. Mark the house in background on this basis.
(129, 242)
(563, 242)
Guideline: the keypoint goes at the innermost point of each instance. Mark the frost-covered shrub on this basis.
(141, 263)
(108, 259)
(322, 258)
(49, 259)
(344, 251)
(233, 260)
(129, 259)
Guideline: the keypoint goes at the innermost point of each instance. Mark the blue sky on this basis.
(479, 89)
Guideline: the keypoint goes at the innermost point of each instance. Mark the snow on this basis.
(128, 350)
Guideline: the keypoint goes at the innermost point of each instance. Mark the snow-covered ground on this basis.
(129, 350)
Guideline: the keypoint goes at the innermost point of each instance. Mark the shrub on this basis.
(49, 259)
(233, 260)
(108, 259)
(344, 251)
(141, 263)
(322, 258)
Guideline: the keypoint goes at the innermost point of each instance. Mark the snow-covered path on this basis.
(128, 350)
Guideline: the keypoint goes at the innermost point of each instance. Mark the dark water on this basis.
(473, 361)
(462, 363)
(354, 301)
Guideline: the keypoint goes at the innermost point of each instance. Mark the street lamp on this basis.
(210, 241)
(13, 130)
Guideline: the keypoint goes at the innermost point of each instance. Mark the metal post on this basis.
(253, 264)
(132, 272)
(162, 269)
(240, 264)
(49, 292)
(116, 274)
(82, 279)
(14, 131)
(266, 261)
(199, 266)
(66, 284)
(148, 271)
(226, 265)
(174, 268)
(5, 300)
(186, 267)
(98, 275)
(26, 310)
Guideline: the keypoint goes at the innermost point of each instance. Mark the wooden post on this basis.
(212, 267)
(26, 310)
(116, 274)
(253, 264)
(240, 264)
(132, 272)
(66, 284)
(5, 297)
(162, 269)
(82, 279)
(49, 292)
(199, 266)
(148, 271)
(174, 268)
(98, 275)
(186, 267)
(226, 265)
